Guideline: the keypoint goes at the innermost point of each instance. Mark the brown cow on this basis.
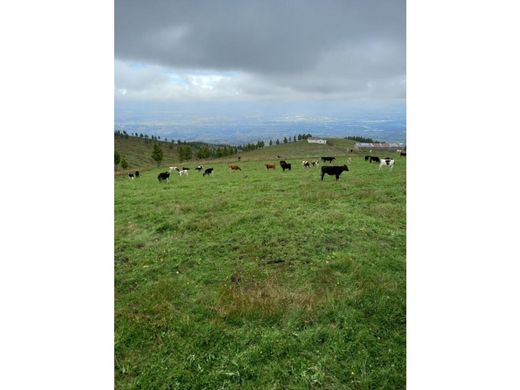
(270, 166)
(234, 168)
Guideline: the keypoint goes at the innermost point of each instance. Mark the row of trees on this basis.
(361, 139)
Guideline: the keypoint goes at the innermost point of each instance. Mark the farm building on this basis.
(379, 146)
(314, 140)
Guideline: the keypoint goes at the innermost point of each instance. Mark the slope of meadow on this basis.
(258, 279)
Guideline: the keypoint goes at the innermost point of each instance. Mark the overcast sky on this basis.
(260, 51)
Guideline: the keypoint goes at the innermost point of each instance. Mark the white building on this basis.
(314, 140)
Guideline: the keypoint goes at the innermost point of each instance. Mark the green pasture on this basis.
(261, 279)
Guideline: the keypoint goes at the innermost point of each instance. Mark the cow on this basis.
(283, 162)
(285, 165)
(329, 159)
(403, 154)
(333, 170)
(315, 163)
(131, 176)
(174, 169)
(136, 174)
(208, 171)
(375, 159)
(367, 158)
(185, 168)
(387, 162)
(164, 176)
(184, 172)
(234, 168)
(270, 166)
(199, 168)
(306, 164)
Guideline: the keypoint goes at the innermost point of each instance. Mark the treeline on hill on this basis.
(189, 150)
(362, 139)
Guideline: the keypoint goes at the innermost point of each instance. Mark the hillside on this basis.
(262, 279)
(138, 153)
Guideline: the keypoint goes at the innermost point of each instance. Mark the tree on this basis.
(285, 140)
(157, 154)
(277, 141)
(124, 164)
(294, 138)
(270, 142)
(185, 152)
(117, 158)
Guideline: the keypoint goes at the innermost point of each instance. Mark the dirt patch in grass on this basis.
(264, 297)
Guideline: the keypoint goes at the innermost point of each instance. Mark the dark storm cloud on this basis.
(301, 46)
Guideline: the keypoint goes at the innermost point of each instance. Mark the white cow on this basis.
(388, 162)
(184, 172)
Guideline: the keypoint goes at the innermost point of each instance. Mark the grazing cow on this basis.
(306, 164)
(184, 172)
(387, 162)
(285, 165)
(374, 158)
(234, 168)
(136, 174)
(131, 176)
(185, 168)
(315, 163)
(270, 166)
(333, 170)
(283, 162)
(174, 169)
(367, 158)
(329, 159)
(164, 176)
(208, 171)
(199, 168)
(403, 154)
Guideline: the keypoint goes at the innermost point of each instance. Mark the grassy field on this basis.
(261, 280)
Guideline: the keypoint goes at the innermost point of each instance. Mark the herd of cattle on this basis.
(333, 170)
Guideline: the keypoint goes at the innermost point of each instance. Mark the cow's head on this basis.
(346, 168)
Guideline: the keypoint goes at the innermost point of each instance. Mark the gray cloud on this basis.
(343, 49)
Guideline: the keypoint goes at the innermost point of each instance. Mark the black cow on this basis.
(375, 159)
(285, 166)
(329, 159)
(185, 168)
(163, 176)
(283, 162)
(367, 158)
(403, 154)
(208, 171)
(136, 174)
(333, 170)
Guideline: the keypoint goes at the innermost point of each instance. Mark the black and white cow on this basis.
(374, 159)
(208, 171)
(386, 162)
(199, 168)
(163, 176)
(335, 170)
